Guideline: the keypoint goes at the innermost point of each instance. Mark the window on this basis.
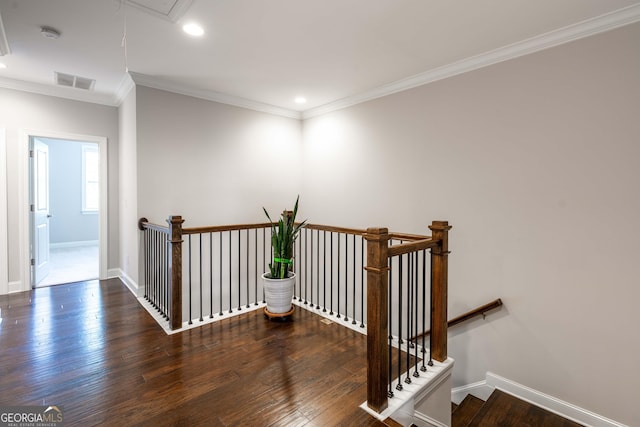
(90, 178)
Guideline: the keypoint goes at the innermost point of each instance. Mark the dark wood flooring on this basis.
(91, 348)
(503, 410)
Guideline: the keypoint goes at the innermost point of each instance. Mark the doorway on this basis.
(65, 201)
(64, 195)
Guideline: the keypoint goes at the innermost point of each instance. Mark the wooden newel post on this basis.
(377, 318)
(175, 270)
(439, 298)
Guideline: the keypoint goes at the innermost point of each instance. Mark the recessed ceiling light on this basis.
(193, 29)
(3, 65)
(300, 100)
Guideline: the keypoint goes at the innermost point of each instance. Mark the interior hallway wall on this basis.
(536, 164)
(209, 162)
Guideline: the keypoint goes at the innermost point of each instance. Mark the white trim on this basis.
(59, 91)
(76, 244)
(4, 251)
(124, 277)
(23, 198)
(589, 27)
(126, 85)
(14, 287)
(550, 403)
(426, 382)
(482, 390)
(209, 95)
(479, 389)
(427, 420)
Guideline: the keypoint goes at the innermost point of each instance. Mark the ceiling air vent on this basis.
(68, 80)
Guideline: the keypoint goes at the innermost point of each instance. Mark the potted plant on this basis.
(279, 281)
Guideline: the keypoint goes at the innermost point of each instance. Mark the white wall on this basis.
(22, 110)
(68, 223)
(536, 164)
(128, 190)
(209, 162)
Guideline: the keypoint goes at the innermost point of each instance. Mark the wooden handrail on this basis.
(143, 223)
(217, 228)
(480, 311)
(407, 236)
(418, 245)
(356, 231)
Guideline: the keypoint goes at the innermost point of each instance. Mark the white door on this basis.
(40, 209)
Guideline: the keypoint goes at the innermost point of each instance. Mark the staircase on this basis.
(502, 409)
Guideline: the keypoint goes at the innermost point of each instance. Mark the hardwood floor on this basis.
(91, 348)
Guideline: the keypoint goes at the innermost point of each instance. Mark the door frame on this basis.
(23, 200)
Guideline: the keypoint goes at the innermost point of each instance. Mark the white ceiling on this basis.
(262, 54)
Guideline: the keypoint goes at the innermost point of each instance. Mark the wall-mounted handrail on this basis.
(476, 312)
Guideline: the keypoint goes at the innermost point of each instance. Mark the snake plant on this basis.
(283, 235)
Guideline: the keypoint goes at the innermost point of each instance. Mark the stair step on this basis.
(502, 409)
(465, 412)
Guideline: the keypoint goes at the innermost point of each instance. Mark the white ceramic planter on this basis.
(278, 293)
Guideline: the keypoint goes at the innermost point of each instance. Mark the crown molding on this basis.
(125, 86)
(59, 91)
(157, 83)
(4, 43)
(606, 22)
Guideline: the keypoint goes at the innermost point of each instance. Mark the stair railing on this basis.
(193, 273)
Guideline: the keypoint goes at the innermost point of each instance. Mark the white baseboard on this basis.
(13, 287)
(128, 281)
(422, 420)
(483, 389)
(77, 244)
(479, 389)
(550, 403)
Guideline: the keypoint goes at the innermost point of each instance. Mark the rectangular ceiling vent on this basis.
(78, 82)
(171, 10)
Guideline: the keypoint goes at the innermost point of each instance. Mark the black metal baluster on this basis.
(415, 313)
(239, 272)
(430, 363)
(318, 269)
(362, 283)
(424, 306)
(353, 322)
(201, 289)
(255, 235)
(165, 281)
(248, 250)
(306, 264)
(390, 319)
(409, 317)
(211, 275)
(338, 291)
(264, 255)
(189, 260)
(346, 277)
(400, 262)
(331, 277)
(220, 268)
(324, 271)
(230, 270)
(311, 270)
